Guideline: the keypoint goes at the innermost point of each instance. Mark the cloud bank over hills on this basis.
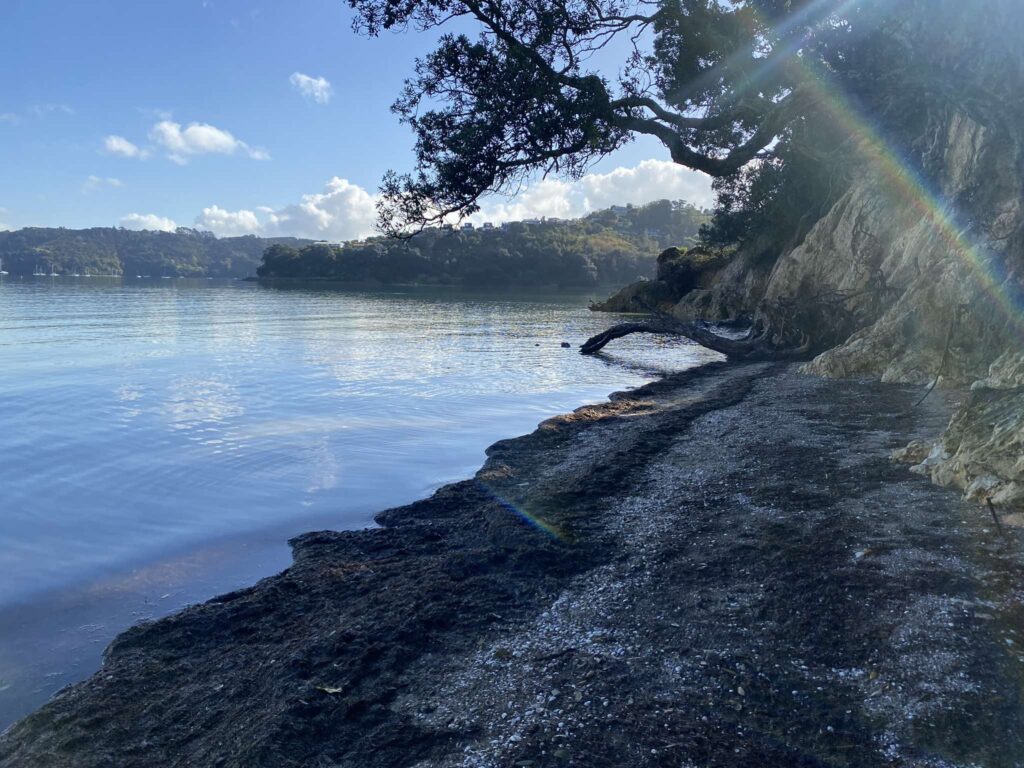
(346, 211)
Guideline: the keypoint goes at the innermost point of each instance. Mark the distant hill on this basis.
(115, 251)
(609, 247)
(612, 246)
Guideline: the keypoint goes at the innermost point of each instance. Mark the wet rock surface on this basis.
(722, 568)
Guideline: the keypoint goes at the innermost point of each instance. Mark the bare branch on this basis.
(662, 326)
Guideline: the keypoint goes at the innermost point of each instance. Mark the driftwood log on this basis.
(748, 348)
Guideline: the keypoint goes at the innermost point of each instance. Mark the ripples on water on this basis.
(159, 441)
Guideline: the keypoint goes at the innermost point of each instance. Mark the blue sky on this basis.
(232, 115)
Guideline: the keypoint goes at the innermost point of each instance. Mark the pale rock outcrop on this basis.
(982, 450)
(909, 286)
(1007, 372)
(944, 286)
(733, 295)
(956, 312)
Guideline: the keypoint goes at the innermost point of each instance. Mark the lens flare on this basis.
(535, 521)
(898, 176)
(906, 185)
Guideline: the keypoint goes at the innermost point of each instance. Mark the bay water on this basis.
(161, 440)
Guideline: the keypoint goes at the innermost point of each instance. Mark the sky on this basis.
(234, 116)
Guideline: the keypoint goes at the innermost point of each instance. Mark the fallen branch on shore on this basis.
(748, 348)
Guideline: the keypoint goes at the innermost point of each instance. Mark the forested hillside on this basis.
(607, 247)
(115, 251)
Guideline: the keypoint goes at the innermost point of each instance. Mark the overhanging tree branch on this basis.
(519, 100)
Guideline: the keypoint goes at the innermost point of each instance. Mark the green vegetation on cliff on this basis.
(607, 247)
(115, 251)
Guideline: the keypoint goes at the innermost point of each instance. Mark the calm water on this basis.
(160, 441)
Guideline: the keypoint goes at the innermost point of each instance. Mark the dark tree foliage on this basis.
(772, 204)
(743, 90)
(608, 247)
(717, 82)
(115, 251)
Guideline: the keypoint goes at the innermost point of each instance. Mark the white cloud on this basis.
(342, 211)
(148, 221)
(228, 223)
(316, 89)
(199, 139)
(120, 146)
(645, 182)
(94, 183)
(10, 118)
(345, 211)
(547, 197)
(650, 180)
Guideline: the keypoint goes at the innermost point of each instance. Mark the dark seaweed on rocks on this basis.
(720, 569)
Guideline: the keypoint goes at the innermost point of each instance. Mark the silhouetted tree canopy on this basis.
(715, 82)
(739, 89)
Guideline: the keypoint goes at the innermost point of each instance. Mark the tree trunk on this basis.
(732, 348)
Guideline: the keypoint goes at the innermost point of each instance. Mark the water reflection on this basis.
(144, 426)
(193, 402)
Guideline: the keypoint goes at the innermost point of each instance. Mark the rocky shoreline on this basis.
(721, 568)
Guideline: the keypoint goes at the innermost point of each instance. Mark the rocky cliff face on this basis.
(908, 285)
(935, 288)
(982, 449)
(934, 292)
